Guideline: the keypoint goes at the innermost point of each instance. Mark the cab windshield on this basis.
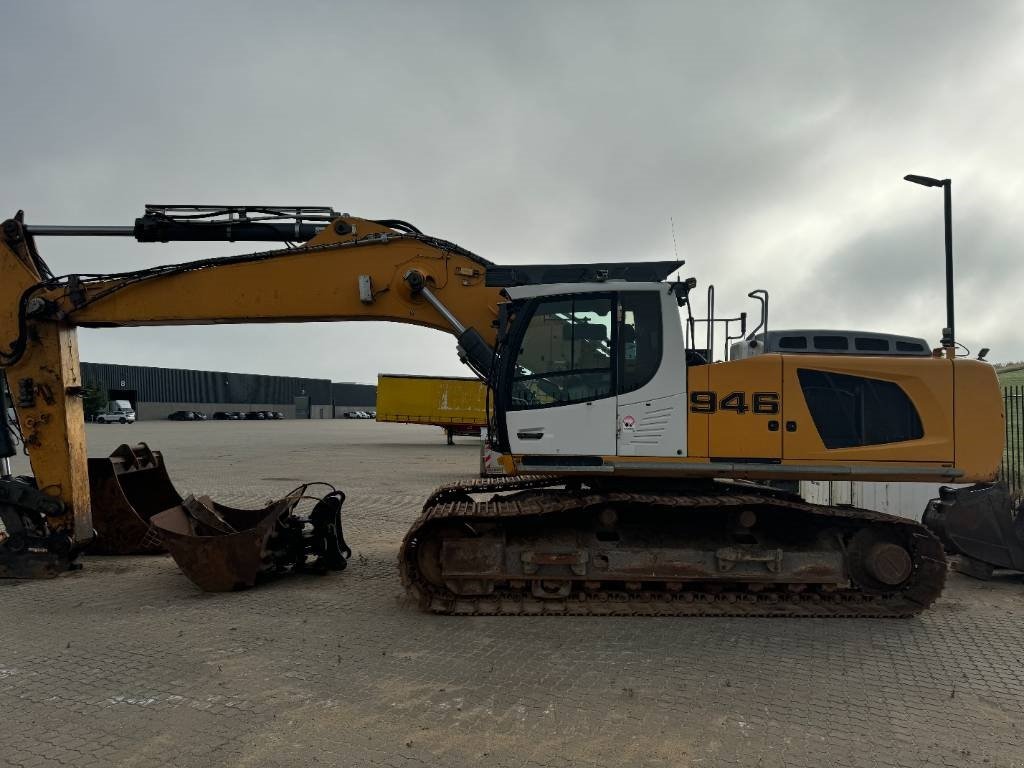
(566, 352)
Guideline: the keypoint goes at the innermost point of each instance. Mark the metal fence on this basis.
(1012, 470)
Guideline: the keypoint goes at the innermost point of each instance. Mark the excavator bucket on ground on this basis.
(136, 510)
(221, 548)
(127, 489)
(982, 525)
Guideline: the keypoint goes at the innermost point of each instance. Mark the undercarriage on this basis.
(538, 546)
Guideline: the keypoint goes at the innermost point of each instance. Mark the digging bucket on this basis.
(128, 488)
(219, 548)
(982, 524)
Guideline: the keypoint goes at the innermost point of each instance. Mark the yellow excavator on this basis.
(639, 472)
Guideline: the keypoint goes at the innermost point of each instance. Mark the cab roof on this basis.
(547, 274)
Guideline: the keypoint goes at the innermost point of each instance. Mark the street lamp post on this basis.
(948, 333)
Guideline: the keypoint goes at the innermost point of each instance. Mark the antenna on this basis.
(675, 246)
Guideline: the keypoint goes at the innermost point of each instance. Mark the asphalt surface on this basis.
(125, 663)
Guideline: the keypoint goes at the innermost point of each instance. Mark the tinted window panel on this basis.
(850, 411)
(793, 342)
(909, 346)
(865, 344)
(639, 338)
(831, 342)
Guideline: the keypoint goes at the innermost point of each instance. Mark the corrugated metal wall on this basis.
(902, 499)
(354, 394)
(177, 385)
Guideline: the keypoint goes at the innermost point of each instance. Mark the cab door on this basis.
(743, 403)
(562, 396)
(651, 375)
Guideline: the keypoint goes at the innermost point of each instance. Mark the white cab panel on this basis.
(578, 429)
(652, 419)
(653, 427)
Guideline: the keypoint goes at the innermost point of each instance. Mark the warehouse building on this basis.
(352, 397)
(156, 392)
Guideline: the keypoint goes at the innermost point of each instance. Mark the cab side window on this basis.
(639, 339)
(566, 353)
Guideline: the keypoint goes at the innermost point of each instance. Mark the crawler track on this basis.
(537, 503)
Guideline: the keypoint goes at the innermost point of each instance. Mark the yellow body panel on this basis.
(978, 416)
(747, 434)
(958, 403)
(698, 425)
(443, 401)
(928, 382)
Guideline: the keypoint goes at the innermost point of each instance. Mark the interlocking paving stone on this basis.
(126, 663)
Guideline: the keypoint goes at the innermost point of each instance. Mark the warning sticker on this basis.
(628, 422)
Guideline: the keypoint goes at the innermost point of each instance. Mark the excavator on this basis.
(642, 477)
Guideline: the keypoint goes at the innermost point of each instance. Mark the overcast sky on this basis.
(775, 135)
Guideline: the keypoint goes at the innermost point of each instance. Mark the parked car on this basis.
(199, 416)
(223, 416)
(255, 416)
(182, 416)
(276, 414)
(118, 416)
(238, 415)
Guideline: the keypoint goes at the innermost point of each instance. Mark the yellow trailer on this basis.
(457, 405)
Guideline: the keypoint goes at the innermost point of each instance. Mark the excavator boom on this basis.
(351, 268)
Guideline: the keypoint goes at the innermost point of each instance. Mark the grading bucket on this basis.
(221, 549)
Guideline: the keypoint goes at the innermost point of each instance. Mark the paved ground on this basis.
(125, 663)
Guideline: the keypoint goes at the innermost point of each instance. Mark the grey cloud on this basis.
(775, 135)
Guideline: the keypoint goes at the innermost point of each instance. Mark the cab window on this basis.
(565, 355)
(639, 339)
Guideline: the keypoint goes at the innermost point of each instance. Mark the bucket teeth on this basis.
(128, 488)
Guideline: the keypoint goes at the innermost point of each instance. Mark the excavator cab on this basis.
(592, 370)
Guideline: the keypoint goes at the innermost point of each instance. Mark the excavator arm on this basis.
(352, 269)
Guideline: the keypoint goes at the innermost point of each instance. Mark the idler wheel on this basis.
(888, 563)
